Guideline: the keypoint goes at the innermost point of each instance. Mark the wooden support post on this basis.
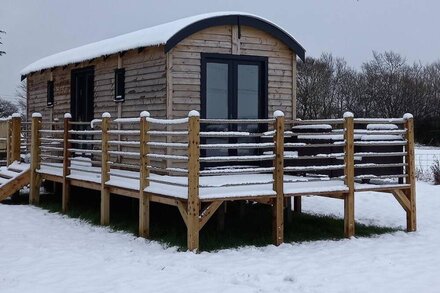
(66, 163)
(15, 137)
(278, 176)
(349, 175)
(35, 181)
(297, 204)
(193, 209)
(144, 198)
(105, 169)
(411, 219)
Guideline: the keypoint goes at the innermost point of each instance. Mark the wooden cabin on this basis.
(238, 71)
(226, 65)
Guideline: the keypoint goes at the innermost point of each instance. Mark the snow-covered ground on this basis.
(45, 252)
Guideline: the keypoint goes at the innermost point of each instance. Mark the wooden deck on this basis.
(191, 164)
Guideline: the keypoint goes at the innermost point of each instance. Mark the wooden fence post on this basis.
(105, 169)
(66, 163)
(278, 184)
(9, 142)
(35, 181)
(15, 137)
(193, 208)
(349, 225)
(144, 198)
(411, 219)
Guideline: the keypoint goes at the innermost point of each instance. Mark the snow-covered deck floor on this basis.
(211, 187)
(47, 252)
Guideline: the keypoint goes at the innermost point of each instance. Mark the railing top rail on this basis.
(379, 120)
(236, 121)
(316, 121)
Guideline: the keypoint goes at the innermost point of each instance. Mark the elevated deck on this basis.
(199, 164)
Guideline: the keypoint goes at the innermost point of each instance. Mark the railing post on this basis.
(349, 225)
(66, 163)
(9, 142)
(144, 198)
(411, 219)
(15, 137)
(105, 169)
(193, 208)
(35, 181)
(278, 177)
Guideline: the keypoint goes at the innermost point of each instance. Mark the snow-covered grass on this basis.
(48, 252)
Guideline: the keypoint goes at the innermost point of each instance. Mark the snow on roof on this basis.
(152, 36)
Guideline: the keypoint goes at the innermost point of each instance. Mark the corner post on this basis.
(193, 180)
(35, 182)
(411, 219)
(349, 225)
(105, 169)
(278, 183)
(144, 173)
(66, 163)
(15, 137)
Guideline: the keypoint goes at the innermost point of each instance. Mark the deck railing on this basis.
(190, 159)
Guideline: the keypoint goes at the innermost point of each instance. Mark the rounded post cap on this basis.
(16, 115)
(67, 116)
(106, 115)
(348, 115)
(278, 113)
(145, 114)
(193, 113)
(408, 116)
(36, 115)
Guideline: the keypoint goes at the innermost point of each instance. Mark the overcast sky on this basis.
(347, 28)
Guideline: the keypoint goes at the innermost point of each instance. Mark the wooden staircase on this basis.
(13, 178)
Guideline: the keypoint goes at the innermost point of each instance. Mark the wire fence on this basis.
(424, 162)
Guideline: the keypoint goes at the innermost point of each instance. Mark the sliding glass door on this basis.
(233, 87)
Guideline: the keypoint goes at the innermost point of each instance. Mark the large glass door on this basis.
(233, 87)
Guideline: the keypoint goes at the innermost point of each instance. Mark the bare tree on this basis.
(21, 94)
(7, 108)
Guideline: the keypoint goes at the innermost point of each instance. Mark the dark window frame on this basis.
(90, 103)
(50, 94)
(119, 95)
(235, 60)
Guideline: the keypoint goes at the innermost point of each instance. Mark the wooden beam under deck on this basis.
(51, 177)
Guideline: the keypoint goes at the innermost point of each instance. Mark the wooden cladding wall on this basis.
(146, 73)
(186, 65)
(145, 84)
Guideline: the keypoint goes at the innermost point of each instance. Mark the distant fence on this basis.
(425, 160)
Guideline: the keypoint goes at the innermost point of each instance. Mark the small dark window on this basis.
(119, 85)
(50, 93)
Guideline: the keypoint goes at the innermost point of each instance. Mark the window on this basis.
(119, 85)
(50, 93)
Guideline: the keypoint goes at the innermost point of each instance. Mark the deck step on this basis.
(17, 176)
(3, 181)
(9, 173)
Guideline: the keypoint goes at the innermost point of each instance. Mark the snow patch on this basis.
(278, 113)
(67, 116)
(348, 115)
(36, 115)
(193, 113)
(145, 114)
(408, 116)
